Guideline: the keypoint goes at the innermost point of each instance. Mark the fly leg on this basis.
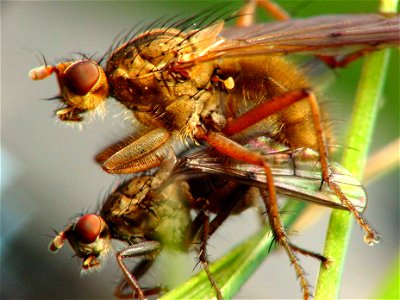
(138, 271)
(279, 103)
(281, 238)
(135, 155)
(203, 254)
(334, 62)
(237, 151)
(140, 249)
(215, 195)
(228, 208)
(246, 13)
(235, 195)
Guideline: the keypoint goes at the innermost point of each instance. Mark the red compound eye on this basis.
(80, 77)
(88, 228)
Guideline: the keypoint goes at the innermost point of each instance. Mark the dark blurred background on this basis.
(48, 174)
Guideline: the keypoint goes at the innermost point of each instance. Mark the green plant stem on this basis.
(359, 137)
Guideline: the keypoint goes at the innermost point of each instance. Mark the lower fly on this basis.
(150, 213)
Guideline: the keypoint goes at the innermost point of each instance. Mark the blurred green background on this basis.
(48, 174)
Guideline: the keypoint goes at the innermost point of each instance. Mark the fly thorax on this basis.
(127, 211)
(145, 74)
(126, 218)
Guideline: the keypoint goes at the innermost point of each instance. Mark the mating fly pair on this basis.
(222, 88)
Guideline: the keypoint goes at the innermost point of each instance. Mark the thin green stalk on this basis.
(359, 137)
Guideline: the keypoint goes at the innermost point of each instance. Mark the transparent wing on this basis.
(323, 35)
(297, 173)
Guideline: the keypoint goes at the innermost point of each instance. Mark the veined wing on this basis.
(322, 35)
(297, 173)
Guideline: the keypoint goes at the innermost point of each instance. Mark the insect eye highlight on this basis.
(81, 76)
(87, 228)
